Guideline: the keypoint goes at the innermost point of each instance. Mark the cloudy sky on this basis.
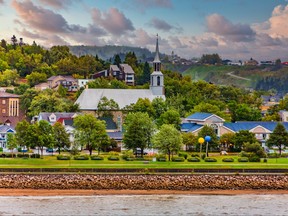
(235, 29)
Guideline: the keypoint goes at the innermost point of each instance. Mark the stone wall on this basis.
(143, 182)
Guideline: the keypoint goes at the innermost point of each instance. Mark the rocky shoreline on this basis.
(143, 182)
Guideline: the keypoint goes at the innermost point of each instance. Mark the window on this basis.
(158, 80)
(3, 101)
(3, 111)
(215, 127)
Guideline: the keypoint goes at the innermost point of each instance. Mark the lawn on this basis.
(52, 162)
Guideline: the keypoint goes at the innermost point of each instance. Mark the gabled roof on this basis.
(202, 116)
(127, 68)
(8, 95)
(190, 127)
(63, 115)
(115, 135)
(114, 68)
(90, 98)
(110, 124)
(6, 128)
(237, 126)
(55, 77)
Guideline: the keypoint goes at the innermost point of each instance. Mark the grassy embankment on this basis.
(52, 162)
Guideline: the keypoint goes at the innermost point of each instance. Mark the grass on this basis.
(52, 162)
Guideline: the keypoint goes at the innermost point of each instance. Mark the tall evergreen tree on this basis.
(278, 138)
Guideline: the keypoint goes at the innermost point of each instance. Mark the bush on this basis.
(272, 155)
(183, 155)
(254, 158)
(203, 156)
(161, 158)
(35, 155)
(209, 159)
(1, 149)
(227, 160)
(63, 157)
(195, 155)
(96, 157)
(113, 158)
(9, 155)
(243, 159)
(128, 156)
(178, 159)
(23, 155)
(114, 153)
(193, 159)
(265, 160)
(81, 157)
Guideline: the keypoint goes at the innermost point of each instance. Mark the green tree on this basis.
(144, 105)
(9, 77)
(35, 78)
(106, 107)
(89, 131)
(61, 137)
(170, 117)
(254, 149)
(22, 135)
(278, 138)
(189, 140)
(167, 140)
(138, 130)
(209, 131)
(11, 142)
(160, 106)
(117, 60)
(243, 136)
(145, 76)
(227, 141)
(27, 98)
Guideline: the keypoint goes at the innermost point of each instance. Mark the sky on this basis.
(235, 29)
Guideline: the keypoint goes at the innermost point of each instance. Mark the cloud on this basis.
(278, 22)
(112, 21)
(233, 32)
(57, 4)
(1, 1)
(163, 25)
(144, 4)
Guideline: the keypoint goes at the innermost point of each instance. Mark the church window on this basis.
(158, 81)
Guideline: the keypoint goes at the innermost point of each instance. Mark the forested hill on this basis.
(107, 52)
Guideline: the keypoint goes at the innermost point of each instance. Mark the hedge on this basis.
(81, 157)
(209, 159)
(113, 158)
(193, 159)
(63, 157)
(96, 157)
(243, 159)
(228, 160)
(178, 159)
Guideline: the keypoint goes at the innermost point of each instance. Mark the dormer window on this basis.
(52, 118)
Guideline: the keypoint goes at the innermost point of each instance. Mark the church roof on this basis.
(157, 57)
(90, 98)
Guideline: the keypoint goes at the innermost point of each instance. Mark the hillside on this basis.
(107, 52)
(240, 76)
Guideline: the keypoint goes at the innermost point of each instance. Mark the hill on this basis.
(241, 76)
(107, 52)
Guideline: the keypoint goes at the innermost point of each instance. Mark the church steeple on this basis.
(157, 78)
(157, 62)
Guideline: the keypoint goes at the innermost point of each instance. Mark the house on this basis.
(251, 62)
(89, 99)
(82, 83)
(11, 113)
(42, 86)
(196, 121)
(4, 130)
(66, 81)
(52, 118)
(283, 115)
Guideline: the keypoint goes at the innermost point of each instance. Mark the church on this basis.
(89, 99)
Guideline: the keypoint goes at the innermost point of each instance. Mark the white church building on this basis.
(89, 99)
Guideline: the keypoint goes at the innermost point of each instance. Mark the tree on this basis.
(9, 77)
(243, 136)
(35, 78)
(211, 59)
(117, 60)
(145, 76)
(227, 141)
(170, 117)
(106, 107)
(160, 106)
(90, 131)
(209, 131)
(278, 138)
(11, 142)
(144, 105)
(254, 149)
(189, 140)
(167, 140)
(22, 135)
(138, 130)
(61, 136)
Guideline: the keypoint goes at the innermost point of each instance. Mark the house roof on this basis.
(59, 115)
(90, 98)
(237, 126)
(114, 67)
(8, 95)
(190, 127)
(6, 128)
(115, 135)
(199, 116)
(127, 68)
(110, 124)
(55, 77)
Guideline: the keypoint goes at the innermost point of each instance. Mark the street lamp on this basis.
(207, 139)
(201, 141)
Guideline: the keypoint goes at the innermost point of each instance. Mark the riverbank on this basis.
(73, 192)
(125, 183)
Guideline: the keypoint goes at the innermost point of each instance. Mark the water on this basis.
(145, 205)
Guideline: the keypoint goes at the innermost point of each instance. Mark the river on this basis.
(145, 205)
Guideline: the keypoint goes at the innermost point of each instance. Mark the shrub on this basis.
(178, 159)
(272, 155)
(209, 159)
(227, 160)
(243, 159)
(35, 155)
(96, 157)
(23, 155)
(9, 155)
(114, 153)
(1, 149)
(161, 158)
(194, 159)
(128, 156)
(113, 158)
(183, 155)
(63, 157)
(203, 156)
(254, 158)
(81, 157)
(195, 155)
(265, 160)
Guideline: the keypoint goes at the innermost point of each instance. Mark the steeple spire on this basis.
(157, 58)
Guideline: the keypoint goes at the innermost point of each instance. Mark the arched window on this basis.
(215, 127)
(158, 80)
